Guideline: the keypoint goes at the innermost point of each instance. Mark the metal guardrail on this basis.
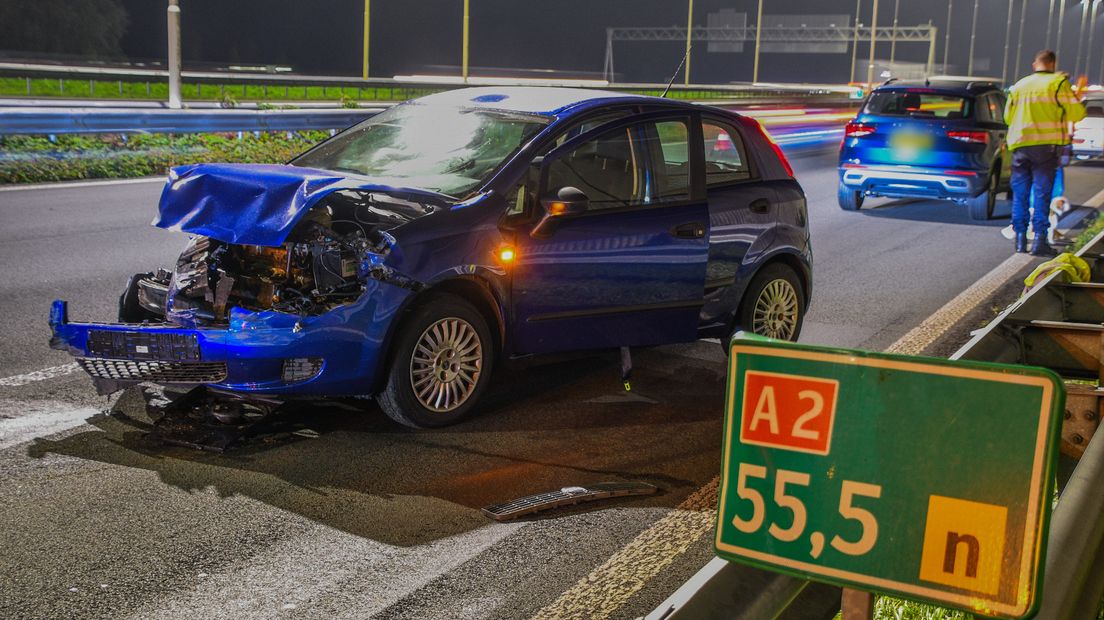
(1060, 326)
(47, 120)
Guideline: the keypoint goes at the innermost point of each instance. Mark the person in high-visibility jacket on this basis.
(1040, 109)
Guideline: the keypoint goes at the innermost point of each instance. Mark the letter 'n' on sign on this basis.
(964, 544)
(790, 412)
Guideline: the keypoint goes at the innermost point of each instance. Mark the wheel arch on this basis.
(789, 259)
(472, 289)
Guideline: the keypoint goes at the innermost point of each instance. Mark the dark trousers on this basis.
(1033, 169)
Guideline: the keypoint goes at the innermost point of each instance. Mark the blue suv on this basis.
(404, 256)
(940, 139)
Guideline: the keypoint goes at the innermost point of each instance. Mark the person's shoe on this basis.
(1042, 248)
(1021, 243)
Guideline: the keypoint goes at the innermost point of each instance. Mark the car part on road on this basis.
(213, 422)
(567, 496)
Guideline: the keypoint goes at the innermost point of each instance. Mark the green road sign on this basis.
(924, 478)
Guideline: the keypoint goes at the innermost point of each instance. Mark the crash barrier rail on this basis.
(1059, 325)
(99, 119)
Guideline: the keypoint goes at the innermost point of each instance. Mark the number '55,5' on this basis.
(783, 478)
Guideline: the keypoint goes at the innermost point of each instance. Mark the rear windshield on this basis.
(1095, 111)
(917, 104)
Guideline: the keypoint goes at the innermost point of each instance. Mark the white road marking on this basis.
(77, 184)
(1096, 201)
(24, 420)
(39, 375)
(608, 587)
(334, 574)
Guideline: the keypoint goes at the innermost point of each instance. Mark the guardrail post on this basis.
(174, 54)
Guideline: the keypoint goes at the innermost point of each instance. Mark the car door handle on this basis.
(761, 205)
(689, 230)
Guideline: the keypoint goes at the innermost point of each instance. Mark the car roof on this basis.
(948, 86)
(543, 100)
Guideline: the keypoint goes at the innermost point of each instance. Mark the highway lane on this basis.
(368, 518)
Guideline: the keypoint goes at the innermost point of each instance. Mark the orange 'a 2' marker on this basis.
(789, 412)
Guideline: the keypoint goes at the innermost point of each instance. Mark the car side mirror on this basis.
(568, 202)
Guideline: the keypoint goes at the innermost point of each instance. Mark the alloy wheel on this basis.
(446, 364)
(776, 310)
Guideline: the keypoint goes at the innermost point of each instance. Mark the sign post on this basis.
(923, 478)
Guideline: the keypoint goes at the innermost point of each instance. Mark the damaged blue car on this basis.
(403, 257)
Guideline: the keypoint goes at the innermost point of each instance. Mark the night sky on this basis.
(422, 36)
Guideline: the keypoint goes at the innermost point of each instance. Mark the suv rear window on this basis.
(919, 104)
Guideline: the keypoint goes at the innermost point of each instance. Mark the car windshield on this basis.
(447, 150)
(917, 104)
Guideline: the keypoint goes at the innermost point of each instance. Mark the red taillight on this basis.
(857, 130)
(974, 137)
(777, 149)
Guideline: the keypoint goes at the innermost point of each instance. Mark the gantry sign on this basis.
(772, 34)
(924, 478)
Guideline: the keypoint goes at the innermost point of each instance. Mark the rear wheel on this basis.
(981, 206)
(440, 365)
(774, 304)
(849, 199)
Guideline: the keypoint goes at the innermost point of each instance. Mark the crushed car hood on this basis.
(252, 204)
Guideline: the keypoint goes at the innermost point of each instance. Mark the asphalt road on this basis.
(366, 518)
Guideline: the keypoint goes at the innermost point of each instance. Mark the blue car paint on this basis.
(950, 169)
(454, 249)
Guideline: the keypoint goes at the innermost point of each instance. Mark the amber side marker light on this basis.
(557, 208)
(506, 255)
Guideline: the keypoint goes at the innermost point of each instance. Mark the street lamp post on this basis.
(973, 36)
(1092, 30)
(364, 64)
(464, 52)
(758, 32)
(1081, 35)
(947, 36)
(174, 54)
(855, 42)
(893, 36)
(689, 35)
(873, 37)
(1061, 18)
(1019, 40)
(1050, 18)
(1007, 41)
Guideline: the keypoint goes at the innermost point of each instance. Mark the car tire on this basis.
(443, 351)
(130, 311)
(774, 296)
(849, 199)
(981, 206)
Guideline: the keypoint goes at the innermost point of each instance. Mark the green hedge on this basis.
(37, 159)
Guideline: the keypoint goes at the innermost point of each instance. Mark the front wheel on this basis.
(440, 365)
(849, 199)
(774, 304)
(981, 206)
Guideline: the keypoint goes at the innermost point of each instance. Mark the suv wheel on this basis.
(440, 364)
(849, 199)
(981, 206)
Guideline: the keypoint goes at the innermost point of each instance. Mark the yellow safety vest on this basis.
(1040, 108)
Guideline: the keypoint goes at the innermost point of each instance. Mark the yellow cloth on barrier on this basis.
(1074, 267)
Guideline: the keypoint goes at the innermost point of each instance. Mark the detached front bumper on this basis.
(337, 353)
(913, 182)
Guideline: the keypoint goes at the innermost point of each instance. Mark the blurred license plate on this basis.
(910, 141)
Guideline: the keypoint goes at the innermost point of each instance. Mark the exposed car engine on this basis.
(323, 264)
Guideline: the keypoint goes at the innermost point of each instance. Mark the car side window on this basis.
(584, 126)
(670, 149)
(725, 156)
(608, 169)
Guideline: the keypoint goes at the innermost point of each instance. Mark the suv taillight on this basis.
(973, 137)
(857, 130)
